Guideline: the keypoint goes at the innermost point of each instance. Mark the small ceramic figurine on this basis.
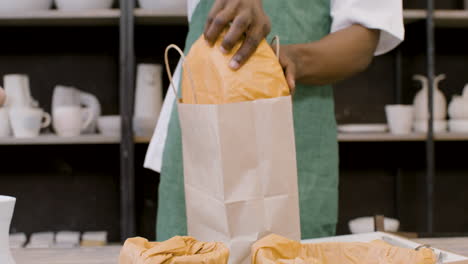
(420, 101)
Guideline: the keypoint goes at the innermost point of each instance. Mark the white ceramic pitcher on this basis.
(7, 205)
(420, 101)
(18, 92)
(70, 96)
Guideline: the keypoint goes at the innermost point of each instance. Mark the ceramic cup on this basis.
(68, 120)
(399, 118)
(5, 129)
(109, 125)
(18, 93)
(7, 205)
(27, 122)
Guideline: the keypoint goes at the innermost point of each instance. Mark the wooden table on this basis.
(109, 254)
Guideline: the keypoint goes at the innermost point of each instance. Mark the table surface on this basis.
(109, 254)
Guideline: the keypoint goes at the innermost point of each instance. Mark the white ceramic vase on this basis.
(421, 103)
(7, 205)
(458, 107)
(148, 98)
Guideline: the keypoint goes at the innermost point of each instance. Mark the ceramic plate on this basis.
(363, 128)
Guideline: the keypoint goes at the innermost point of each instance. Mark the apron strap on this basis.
(276, 40)
(169, 73)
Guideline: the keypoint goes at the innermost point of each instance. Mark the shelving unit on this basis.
(56, 140)
(442, 18)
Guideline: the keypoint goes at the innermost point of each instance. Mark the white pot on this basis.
(458, 126)
(24, 5)
(167, 5)
(109, 125)
(420, 101)
(421, 126)
(74, 5)
(366, 225)
(7, 205)
(458, 108)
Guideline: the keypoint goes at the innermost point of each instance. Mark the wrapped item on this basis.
(216, 83)
(275, 249)
(177, 250)
(240, 173)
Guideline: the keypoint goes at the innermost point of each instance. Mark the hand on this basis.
(248, 19)
(2, 96)
(288, 62)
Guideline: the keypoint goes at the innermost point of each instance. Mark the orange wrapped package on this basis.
(177, 250)
(261, 77)
(275, 249)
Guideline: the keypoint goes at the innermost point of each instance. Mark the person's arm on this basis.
(331, 59)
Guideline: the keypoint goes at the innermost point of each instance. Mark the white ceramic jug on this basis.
(421, 101)
(18, 92)
(148, 98)
(458, 107)
(7, 205)
(70, 96)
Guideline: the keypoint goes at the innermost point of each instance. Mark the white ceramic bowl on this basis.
(366, 225)
(109, 125)
(458, 126)
(439, 126)
(24, 5)
(144, 126)
(167, 5)
(74, 5)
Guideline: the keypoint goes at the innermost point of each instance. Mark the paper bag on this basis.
(240, 172)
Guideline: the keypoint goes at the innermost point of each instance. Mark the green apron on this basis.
(294, 21)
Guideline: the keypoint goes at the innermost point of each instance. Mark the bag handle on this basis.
(169, 73)
(276, 40)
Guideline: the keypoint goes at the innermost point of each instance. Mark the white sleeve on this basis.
(385, 15)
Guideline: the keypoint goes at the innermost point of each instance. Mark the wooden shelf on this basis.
(56, 140)
(142, 140)
(448, 136)
(442, 18)
(60, 18)
(160, 17)
(379, 137)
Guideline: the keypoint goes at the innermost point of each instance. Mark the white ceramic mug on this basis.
(400, 118)
(68, 121)
(5, 128)
(27, 121)
(7, 205)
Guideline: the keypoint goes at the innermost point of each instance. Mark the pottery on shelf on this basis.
(421, 126)
(458, 125)
(148, 99)
(421, 100)
(7, 205)
(75, 5)
(458, 107)
(109, 125)
(166, 5)
(70, 96)
(18, 91)
(366, 225)
(24, 5)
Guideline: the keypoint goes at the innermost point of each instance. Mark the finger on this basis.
(236, 31)
(215, 9)
(221, 21)
(289, 71)
(249, 46)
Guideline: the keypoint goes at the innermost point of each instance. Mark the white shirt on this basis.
(385, 15)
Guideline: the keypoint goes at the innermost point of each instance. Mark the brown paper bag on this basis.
(240, 172)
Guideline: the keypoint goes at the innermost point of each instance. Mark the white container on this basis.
(399, 118)
(110, 125)
(76, 5)
(176, 6)
(458, 126)
(439, 126)
(24, 5)
(18, 92)
(7, 205)
(421, 103)
(68, 121)
(5, 127)
(366, 225)
(148, 99)
(27, 122)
